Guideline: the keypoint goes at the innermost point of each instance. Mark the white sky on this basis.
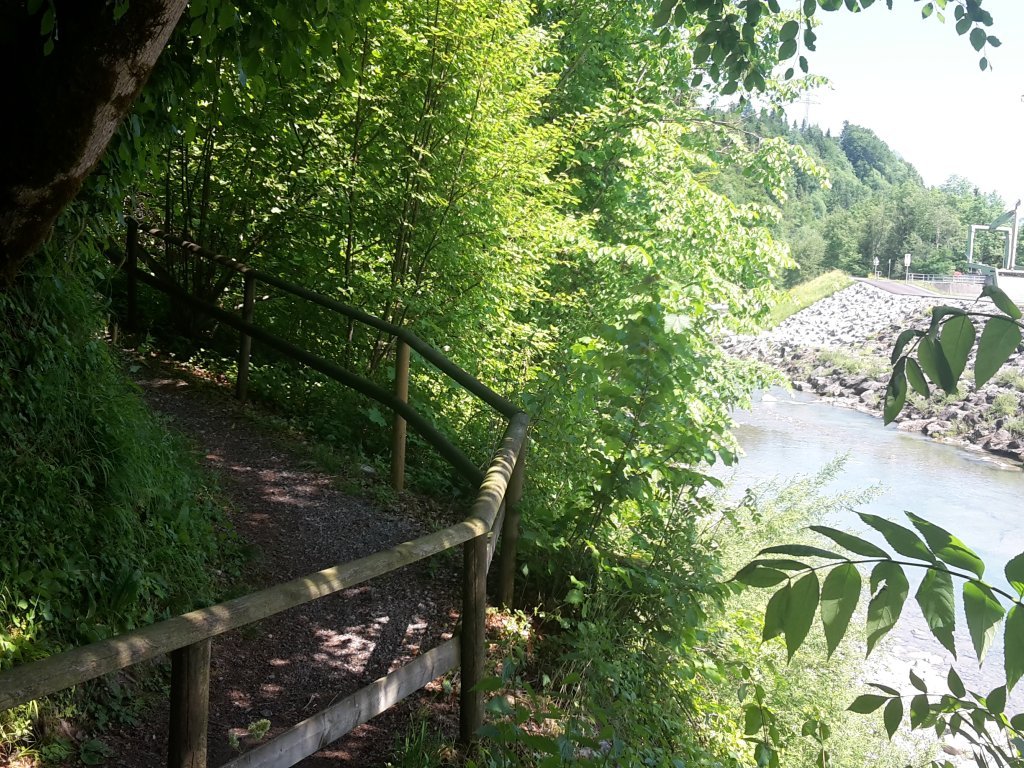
(917, 84)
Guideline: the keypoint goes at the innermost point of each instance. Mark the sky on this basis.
(917, 84)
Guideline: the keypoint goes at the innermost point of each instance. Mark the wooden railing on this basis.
(187, 638)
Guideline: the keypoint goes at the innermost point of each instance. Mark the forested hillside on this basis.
(874, 206)
(539, 190)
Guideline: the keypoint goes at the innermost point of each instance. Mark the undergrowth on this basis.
(108, 522)
(599, 682)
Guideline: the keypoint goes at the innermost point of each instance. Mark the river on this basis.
(970, 494)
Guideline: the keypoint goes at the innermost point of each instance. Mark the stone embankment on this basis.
(839, 348)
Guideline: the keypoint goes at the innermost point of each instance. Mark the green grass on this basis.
(803, 295)
(1010, 377)
(852, 363)
(1005, 404)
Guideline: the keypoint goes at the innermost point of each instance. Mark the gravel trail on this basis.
(296, 521)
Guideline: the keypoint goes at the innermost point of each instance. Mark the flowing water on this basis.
(969, 494)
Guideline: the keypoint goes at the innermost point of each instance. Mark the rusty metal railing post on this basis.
(510, 530)
(131, 265)
(190, 705)
(245, 345)
(398, 430)
(472, 638)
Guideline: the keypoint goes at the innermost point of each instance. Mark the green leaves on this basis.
(957, 340)
(895, 392)
(892, 715)
(933, 362)
(790, 612)
(848, 541)
(935, 596)
(983, 613)
(978, 38)
(839, 595)
(943, 351)
(999, 340)
(903, 540)
(1013, 646)
(889, 588)
(1003, 302)
(867, 703)
(1014, 571)
(944, 558)
(948, 547)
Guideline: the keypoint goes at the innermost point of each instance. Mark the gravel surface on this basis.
(296, 521)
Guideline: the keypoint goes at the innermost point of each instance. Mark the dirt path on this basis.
(288, 667)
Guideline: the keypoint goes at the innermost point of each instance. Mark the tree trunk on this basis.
(65, 104)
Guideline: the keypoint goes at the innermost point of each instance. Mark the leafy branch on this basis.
(791, 611)
(942, 351)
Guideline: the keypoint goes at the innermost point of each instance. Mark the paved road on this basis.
(909, 289)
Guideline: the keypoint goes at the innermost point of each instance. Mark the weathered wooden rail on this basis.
(187, 637)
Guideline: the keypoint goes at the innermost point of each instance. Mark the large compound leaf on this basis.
(947, 547)
(889, 589)
(839, 595)
(938, 604)
(998, 341)
(983, 612)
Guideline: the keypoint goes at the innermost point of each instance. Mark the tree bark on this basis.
(64, 106)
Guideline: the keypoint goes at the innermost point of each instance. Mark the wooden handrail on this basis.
(187, 637)
(427, 352)
(63, 670)
(428, 431)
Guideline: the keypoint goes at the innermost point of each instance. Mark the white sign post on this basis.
(906, 267)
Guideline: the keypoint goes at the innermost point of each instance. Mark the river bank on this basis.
(839, 349)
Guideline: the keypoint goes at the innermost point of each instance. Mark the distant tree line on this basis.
(876, 206)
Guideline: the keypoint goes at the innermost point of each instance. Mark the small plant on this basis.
(852, 363)
(1016, 427)
(93, 752)
(256, 731)
(1012, 378)
(1005, 404)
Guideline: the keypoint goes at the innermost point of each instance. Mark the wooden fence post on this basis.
(245, 345)
(510, 530)
(398, 429)
(131, 266)
(473, 652)
(190, 704)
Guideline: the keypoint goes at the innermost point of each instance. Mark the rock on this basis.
(802, 386)
(937, 428)
(869, 398)
(1000, 440)
(911, 425)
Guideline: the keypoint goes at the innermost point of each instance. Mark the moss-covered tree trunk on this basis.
(73, 72)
